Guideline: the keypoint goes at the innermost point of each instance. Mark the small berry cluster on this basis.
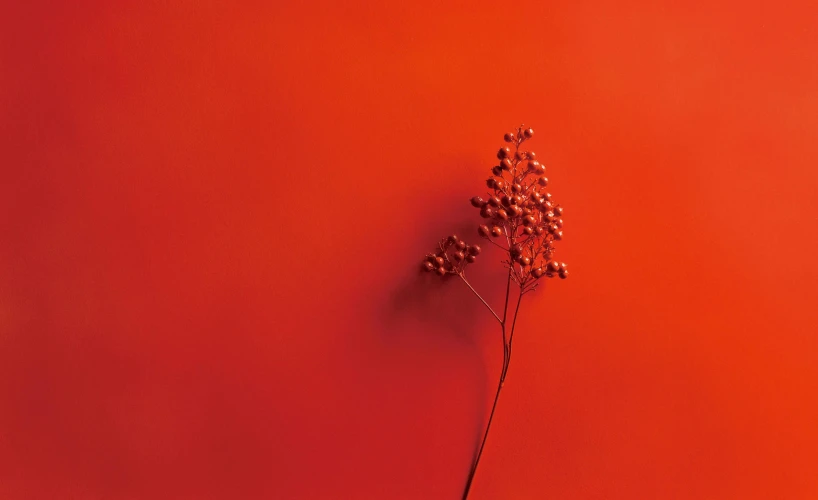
(452, 256)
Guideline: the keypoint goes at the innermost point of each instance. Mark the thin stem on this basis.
(511, 336)
(483, 444)
(463, 277)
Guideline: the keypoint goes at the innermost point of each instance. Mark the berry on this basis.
(487, 212)
(497, 171)
(515, 210)
(543, 181)
(558, 210)
(499, 184)
(494, 201)
(474, 250)
(537, 273)
(509, 137)
(452, 239)
(477, 201)
(516, 188)
(496, 231)
(516, 250)
(528, 230)
(470, 258)
(517, 199)
(527, 211)
(440, 271)
(527, 133)
(458, 256)
(506, 201)
(519, 156)
(558, 223)
(553, 266)
(428, 266)
(531, 155)
(439, 261)
(504, 152)
(558, 235)
(552, 228)
(506, 164)
(563, 273)
(563, 266)
(461, 245)
(533, 165)
(502, 214)
(529, 220)
(525, 261)
(539, 230)
(490, 182)
(483, 231)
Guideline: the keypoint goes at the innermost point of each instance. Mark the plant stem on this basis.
(483, 444)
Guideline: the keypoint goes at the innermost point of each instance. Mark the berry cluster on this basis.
(452, 256)
(520, 214)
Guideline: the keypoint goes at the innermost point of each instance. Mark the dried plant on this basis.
(523, 221)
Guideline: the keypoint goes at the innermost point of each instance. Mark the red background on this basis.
(211, 216)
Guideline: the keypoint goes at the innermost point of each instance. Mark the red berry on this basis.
(502, 214)
(461, 245)
(525, 261)
(428, 266)
(499, 184)
(559, 210)
(558, 235)
(487, 212)
(494, 201)
(531, 155)
(440, 271)
(558, 223)
(549, 215)
(509, 137)
(563, 273)
(537, 273)
(547, 196)
(496, 231)
(516, 188)
(527, 211)
(470, 258)
(528, 133)
(452, 239)
(483, 231)
(516, 250)
(517, 199)
(504, 152)
(506, 201)
(543, 181)
(528, 230)
(553, 266)
(439, 261)
(497, 171)
(519, 156)
(458, 256)
(515, 211)
(552, 228)
(529, 220)
(539, 230)
(506, 164)
(474, 250)
(563, 265)
(490, 182)
(533, 164)
(477, 201)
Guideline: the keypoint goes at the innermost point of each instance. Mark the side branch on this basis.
(481, 298)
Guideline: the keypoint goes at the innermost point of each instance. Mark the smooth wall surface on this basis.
(211, 216)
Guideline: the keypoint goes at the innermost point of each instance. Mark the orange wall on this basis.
(211, 216)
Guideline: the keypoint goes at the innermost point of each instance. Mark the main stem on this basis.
(506, 361)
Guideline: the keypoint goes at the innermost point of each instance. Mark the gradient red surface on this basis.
(210, 217)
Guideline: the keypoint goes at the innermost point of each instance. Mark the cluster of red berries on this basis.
(452, 256)
(519, 212)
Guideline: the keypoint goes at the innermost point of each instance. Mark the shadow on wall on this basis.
(442, 311)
